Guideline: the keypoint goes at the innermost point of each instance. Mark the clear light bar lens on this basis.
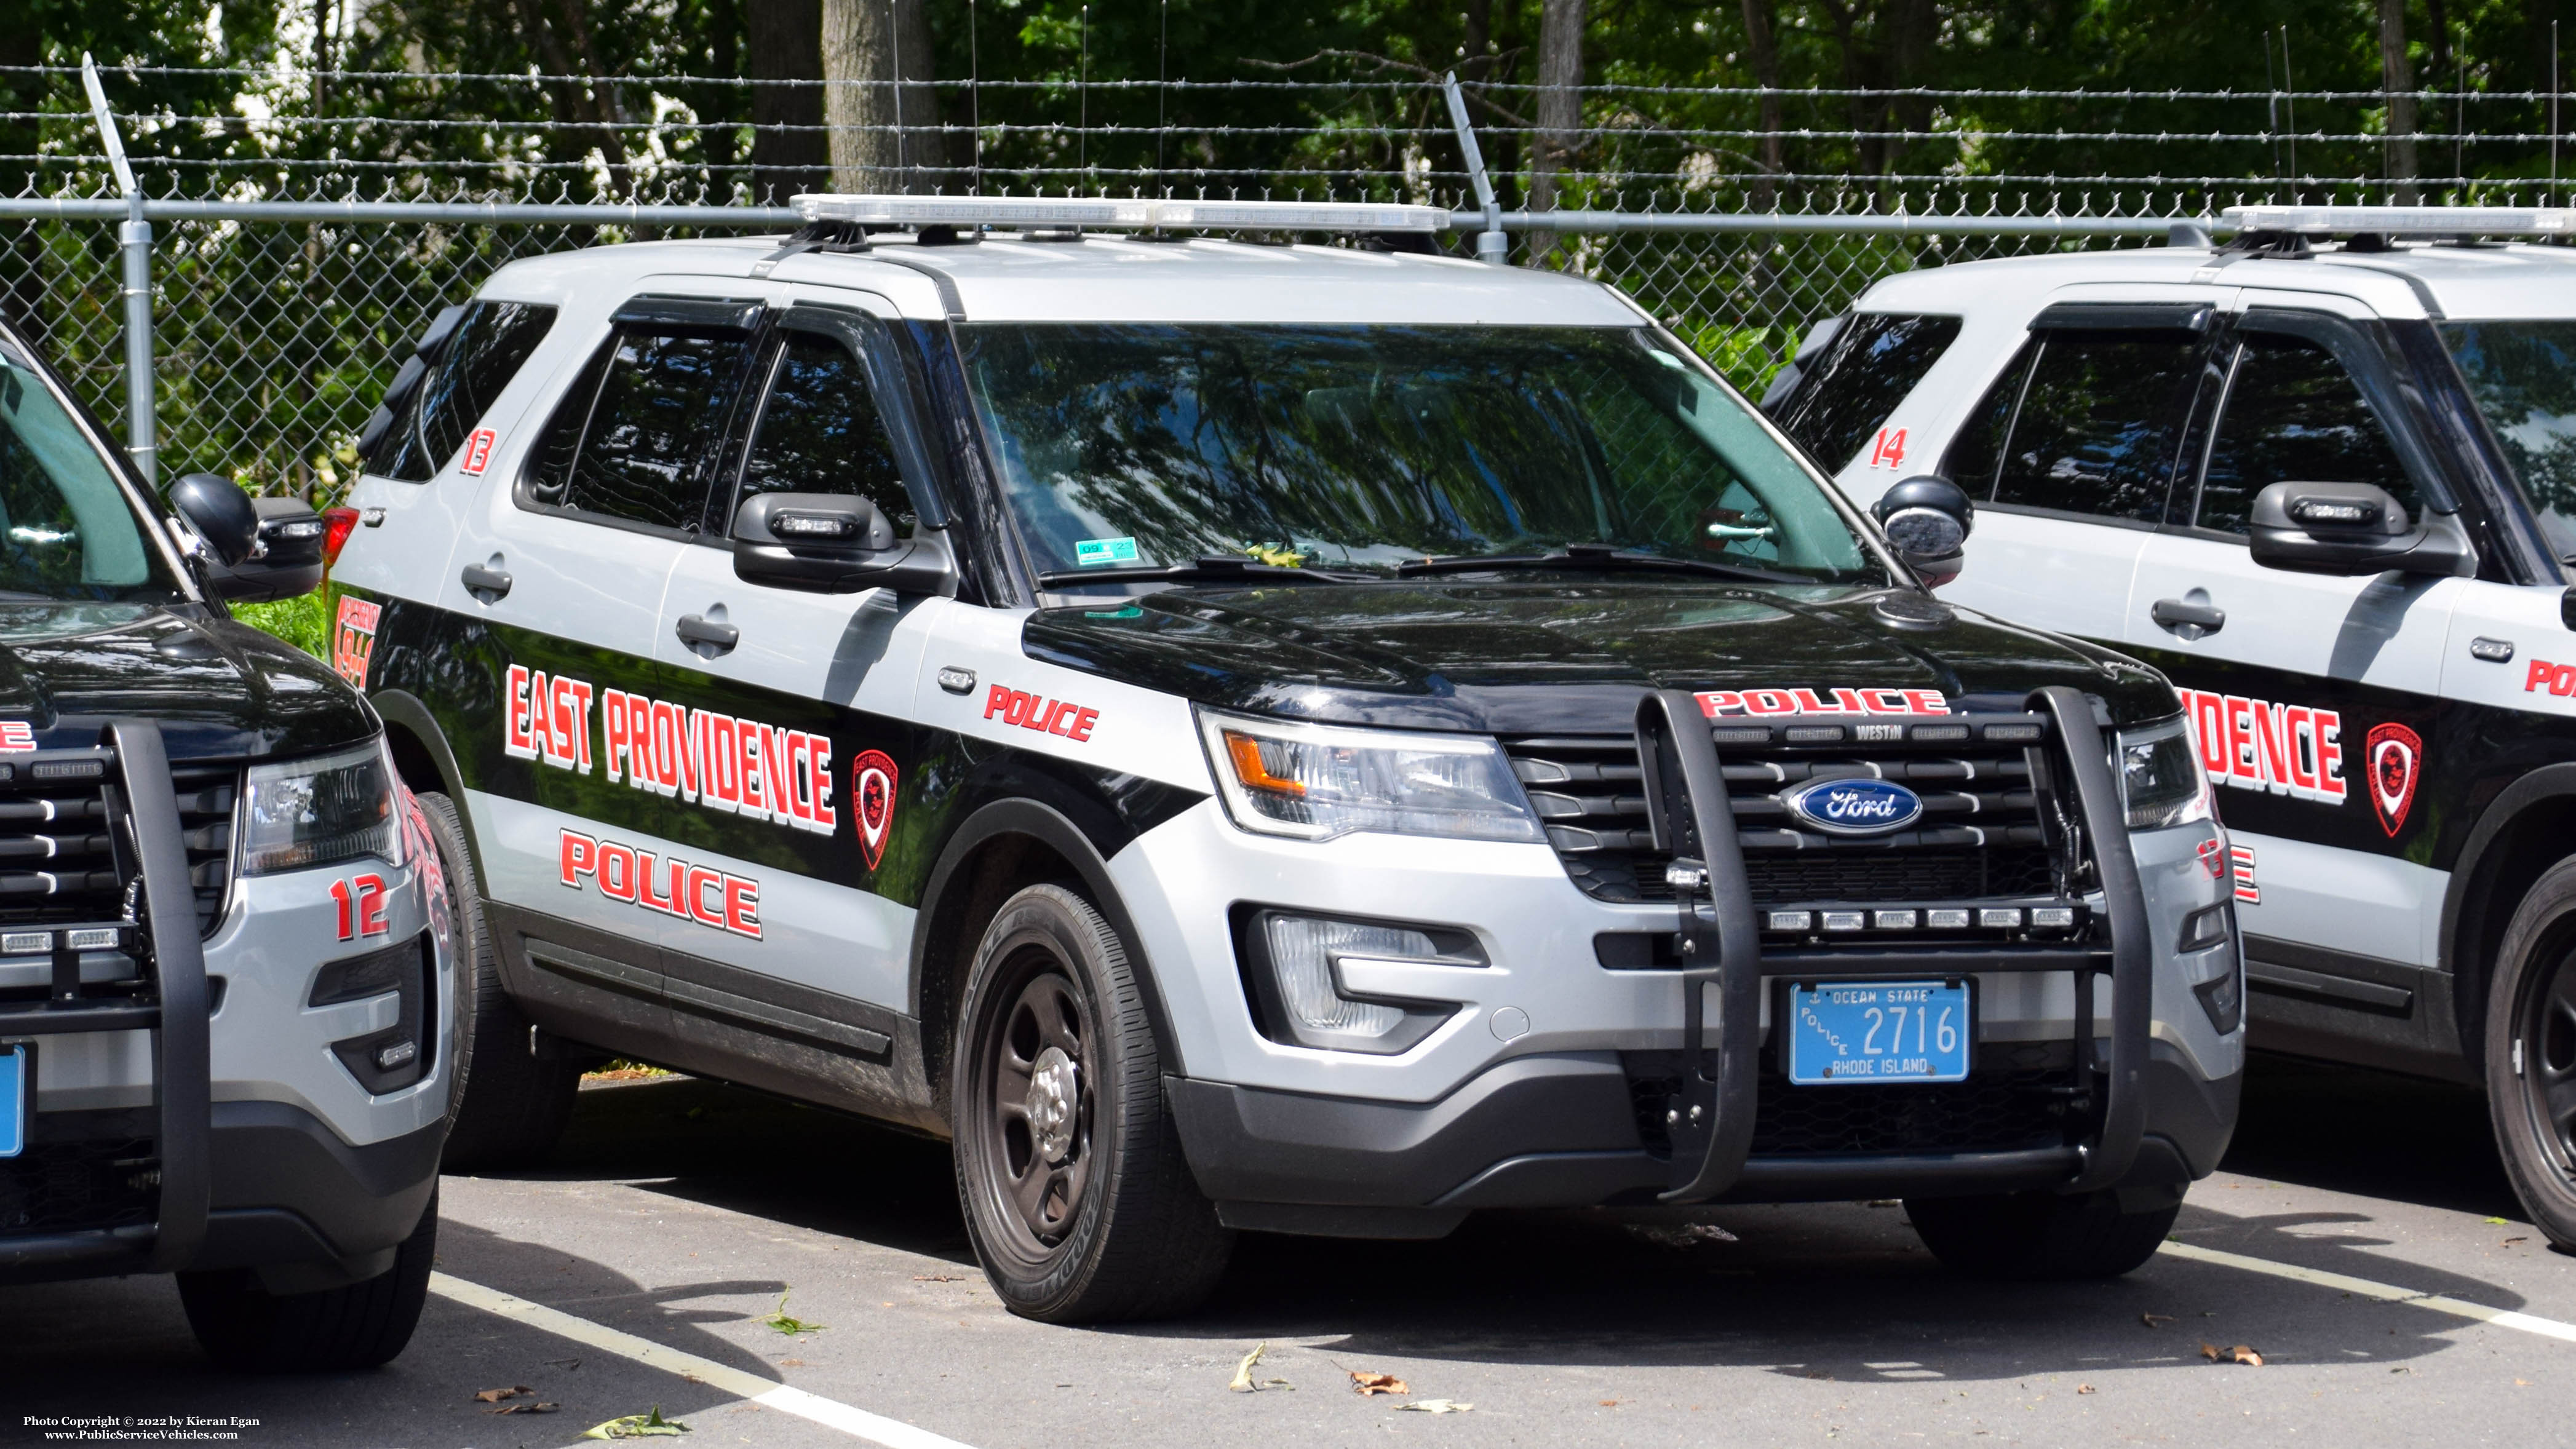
(1135, 213)
(2407, 220)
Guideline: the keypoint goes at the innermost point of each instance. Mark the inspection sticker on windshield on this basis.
(1092, 552)
(1878, 1031)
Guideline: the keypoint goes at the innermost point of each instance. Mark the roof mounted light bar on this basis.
(1130, 214)
(2405, 220)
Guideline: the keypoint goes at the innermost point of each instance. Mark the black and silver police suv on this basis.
(227, 1020)
(1314, 739)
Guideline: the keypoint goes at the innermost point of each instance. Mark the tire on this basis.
(2531, 1053)
(514, 1089)
(1076, 1195)
(244, 1327)
(2039, 1236)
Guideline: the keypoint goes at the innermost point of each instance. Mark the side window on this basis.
(636, 438)
(491, 342)
(2293, 415)
(820, 432)
(1863, 375)
(2099, 422)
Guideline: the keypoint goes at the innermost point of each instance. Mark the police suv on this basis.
(1307, 738)
(2324, 477)
(227, 1022)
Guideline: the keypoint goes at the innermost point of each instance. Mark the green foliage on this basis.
(303, 622)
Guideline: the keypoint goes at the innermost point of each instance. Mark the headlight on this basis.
(315, 812)
(2160, 777)
(1319, 781)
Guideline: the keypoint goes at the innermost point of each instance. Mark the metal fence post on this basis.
(134, 238)
(1491, 245)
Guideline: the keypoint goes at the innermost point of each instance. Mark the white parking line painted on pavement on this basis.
(831, 1413)
(2386, 1292)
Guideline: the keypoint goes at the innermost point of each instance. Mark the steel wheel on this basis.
(1038, 1068)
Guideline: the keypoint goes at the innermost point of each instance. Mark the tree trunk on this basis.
(786, 44)
(1475, 39)
(883, 131)
(921, 152)
(1766, 74)
(1560, 108)
(2397, 81)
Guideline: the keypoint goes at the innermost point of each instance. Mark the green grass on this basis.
(304, 622)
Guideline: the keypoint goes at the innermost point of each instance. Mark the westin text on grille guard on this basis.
(2088, 917)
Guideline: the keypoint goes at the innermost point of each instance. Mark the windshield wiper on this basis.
(1589, 556)
(1209, 568)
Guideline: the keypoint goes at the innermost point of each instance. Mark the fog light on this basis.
(2224, 998)
(1299, 991)
(2203, 928)
(391, 1058)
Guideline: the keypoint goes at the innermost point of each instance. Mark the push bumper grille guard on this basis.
(1711, 1120)
(143, 818)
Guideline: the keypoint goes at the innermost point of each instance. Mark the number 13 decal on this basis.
(362, 906)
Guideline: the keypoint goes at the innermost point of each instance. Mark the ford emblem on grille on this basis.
(1856, 807)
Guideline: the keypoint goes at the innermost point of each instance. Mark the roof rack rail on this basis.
(1128, 214)
(2442, 221)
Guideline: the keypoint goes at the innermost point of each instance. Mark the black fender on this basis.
(2470, 903)
(1054, 828)
(403, 709)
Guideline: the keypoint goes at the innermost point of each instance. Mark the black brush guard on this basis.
(1711, 1119)
(143, 818)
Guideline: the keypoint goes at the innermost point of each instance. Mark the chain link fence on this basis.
(294, 257)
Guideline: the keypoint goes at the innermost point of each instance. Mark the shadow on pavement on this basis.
(2377, 1134)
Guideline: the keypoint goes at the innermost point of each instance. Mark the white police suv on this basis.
(1314, 739)
(2324, 477)
(227, 1012)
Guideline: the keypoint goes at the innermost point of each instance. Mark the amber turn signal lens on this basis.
(1245, 752)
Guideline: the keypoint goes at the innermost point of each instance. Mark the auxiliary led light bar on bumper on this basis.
(1133, 213)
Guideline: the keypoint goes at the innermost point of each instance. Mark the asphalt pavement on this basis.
(2362, 1243)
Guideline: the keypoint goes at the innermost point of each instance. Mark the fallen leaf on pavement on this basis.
(494, 1396)
(531, 1407)
(2241, 1353)
(2152, 1319)
(2209, 1351)
(1609, 1403)
(650, 1425)
(1243, 1383)
(936, 1278)
(1364, 1383)
(792, 1326)
(1437, 1406)
(2083, 1388)
(2509, 1242)
(791, 1363)
(2497, 1222)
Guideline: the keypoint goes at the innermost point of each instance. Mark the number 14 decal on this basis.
(362, 905)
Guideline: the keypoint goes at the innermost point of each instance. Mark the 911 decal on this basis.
(2286, 749)
(1716, 702)
(709, 897)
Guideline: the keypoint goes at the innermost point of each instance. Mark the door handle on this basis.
(481, 579)
(2174, 614)
(699, 629)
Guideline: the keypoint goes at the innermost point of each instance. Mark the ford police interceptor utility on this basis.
(1315, 739)
(227, 1026)
(2324, 477)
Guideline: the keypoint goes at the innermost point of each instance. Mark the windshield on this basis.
(2523, 375)
(66, 530)
(1358, 448)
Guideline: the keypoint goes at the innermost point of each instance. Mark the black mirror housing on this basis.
(2346, 529)
(827, 543)
(220, 513)
(1927, 519)
(286, 561)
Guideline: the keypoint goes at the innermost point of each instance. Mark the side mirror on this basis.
(2348, 528)
(219, 513)
(284, 563)
(1927, 519)
(827, 543)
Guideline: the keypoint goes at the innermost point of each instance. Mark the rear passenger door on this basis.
(2072, 456)
(2314, 701)
(829, 410)
(565, 577)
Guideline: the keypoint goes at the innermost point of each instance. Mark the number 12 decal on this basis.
(362, 905)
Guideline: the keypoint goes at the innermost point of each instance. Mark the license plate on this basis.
(15, 1092)
(1878, 1031)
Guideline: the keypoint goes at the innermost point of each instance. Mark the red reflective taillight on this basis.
(337, 525)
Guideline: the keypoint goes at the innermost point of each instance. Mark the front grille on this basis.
(83, 1170)
(1982, 836)
(2017, 1096)
(61, 861)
